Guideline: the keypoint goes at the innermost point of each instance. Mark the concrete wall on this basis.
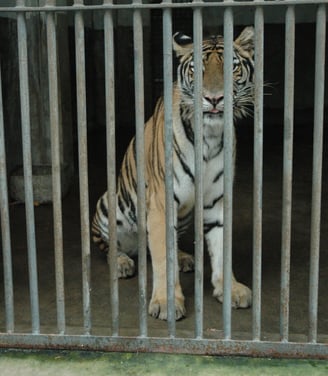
(39, 95)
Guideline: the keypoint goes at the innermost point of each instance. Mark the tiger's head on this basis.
(213, 76)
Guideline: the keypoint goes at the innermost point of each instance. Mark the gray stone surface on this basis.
(42, 184)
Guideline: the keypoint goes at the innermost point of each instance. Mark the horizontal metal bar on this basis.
(167, 345)
(234, 4)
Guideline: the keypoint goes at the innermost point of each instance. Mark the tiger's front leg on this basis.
(241, 295)
(157, 246)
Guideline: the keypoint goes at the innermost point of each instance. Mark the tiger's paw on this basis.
(186, 262)
(241, 295)
(125, 266)
(158, 308)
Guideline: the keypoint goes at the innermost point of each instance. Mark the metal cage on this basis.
(254, 344)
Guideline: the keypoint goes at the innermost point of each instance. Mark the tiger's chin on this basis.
(214, 121)
(213, 117)
(214, 114)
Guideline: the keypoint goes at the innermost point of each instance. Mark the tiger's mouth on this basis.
(214, 112)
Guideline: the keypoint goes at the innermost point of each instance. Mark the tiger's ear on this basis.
(182, 44)
(246, 40)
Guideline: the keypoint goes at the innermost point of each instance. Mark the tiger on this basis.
(183, 172)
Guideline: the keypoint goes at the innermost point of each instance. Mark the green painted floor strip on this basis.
(18, 363)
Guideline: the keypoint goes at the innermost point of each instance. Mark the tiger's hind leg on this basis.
(186, 262)
(125, 265)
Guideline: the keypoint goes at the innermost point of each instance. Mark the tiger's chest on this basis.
(184, 166)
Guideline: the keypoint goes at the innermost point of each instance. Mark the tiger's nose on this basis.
(214, 100)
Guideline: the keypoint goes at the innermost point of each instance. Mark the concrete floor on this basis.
(242, 254)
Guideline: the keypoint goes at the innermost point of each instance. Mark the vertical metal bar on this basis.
(228, 169)
(27, 167)
(56, 167)
(83, 164)
(168, 134)
(317, 169)
(287, 171)
(198, 129)
(258, 173)
(111, 164)
(140, 155)
(5, 226)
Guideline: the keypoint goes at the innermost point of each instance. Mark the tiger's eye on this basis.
(235, 63)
